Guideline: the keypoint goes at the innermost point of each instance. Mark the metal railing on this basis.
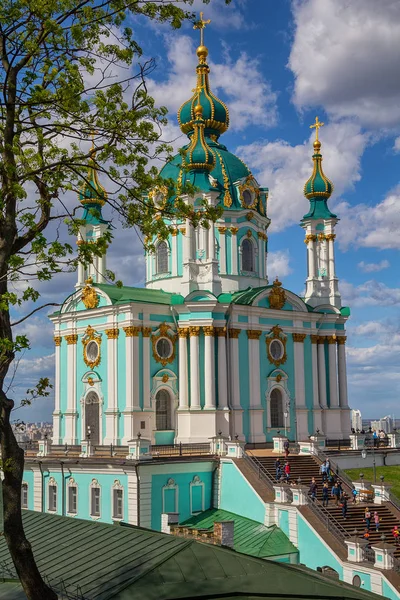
(369, 555)
(335, 468)
(339, 444)
(330, 522)
(262, 472)
(180, 449)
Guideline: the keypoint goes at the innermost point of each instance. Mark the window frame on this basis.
(163, 244)
(95, 488)
(115, 500)
(52, 505)
(24, 495)
(167, 412)
(72, 487)
(250, 245)
(279, 409)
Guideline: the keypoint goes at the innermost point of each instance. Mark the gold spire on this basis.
(201, 24)
(317, 125)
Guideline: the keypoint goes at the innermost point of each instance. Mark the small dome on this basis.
(318, 188)
(199, 155)
(215, 112)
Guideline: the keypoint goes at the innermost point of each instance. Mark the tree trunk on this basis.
(19, 547)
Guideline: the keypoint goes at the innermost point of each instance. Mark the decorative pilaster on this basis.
(220, 333)
(342, 371)
(256, 423)
(234, 249)
(222, 250)
(298, 343)
(322, 372)
(333, 377)
(57, 412)
(234, 366)
(132, 379)
(111, 411)
(146, 333)
(183, 333)
(71, 412)
(209, 368)
(174, 253)
(194, 333)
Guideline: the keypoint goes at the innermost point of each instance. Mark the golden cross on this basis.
(316, 126)
(201, 24)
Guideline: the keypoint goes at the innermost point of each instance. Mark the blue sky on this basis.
(277, 65)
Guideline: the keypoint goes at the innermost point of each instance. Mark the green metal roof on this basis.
(250, 537)
(110, 562)
(124, 294)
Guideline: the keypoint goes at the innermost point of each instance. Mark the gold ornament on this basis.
(331, 339)
(234, 230)
(222, 230)
(175, 232)
(208, 330)
(227, 195)
(194, 331)
(277, 297)
(254, 334)
(112, 334)
(90, 381)
(321, 237)
(234, 333)
(278, 377)
(164, 331)
(220, 331)
(57, 340)
(132, 331)
(310, 238)
(91, 336)
(146, 331)
(249, 216)
(89, 297)
(249, 233)
(251, 186)
(165, 378)
(314, 338)
(321, 339)
(183, 332)
(341, 340)
(183, 230)
(299, 337)
(71, 339)
(276, 334)
(330, 237)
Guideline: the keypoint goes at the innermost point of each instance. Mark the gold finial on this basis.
(201, 24)
(317, 125)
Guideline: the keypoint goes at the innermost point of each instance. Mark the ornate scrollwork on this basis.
(112, 334)
(276, 335)
(89, 296)
(254, 334)
(164, 331)
(220, 331)
(208, 330)
(159, 196)
(341, 340)
(251, 185)
(234, 333)
(132, 331)
(146, 331)
(57, 340)
(71, 339)
(91, 336)
(277, 296)
(299, 337)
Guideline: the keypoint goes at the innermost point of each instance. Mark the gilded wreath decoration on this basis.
(159, 196)
(91, 336)
(276, 334)
(164, 331)
(89, 297)
(277, 296)
(249, 184)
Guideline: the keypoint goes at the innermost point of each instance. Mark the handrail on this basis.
(335, 467)
(331, 523)
(262, 472)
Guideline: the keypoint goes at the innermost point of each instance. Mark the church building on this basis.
(210, 345)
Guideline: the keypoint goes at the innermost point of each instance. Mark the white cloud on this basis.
(221, 15)
(232, 80)
(345, 57)
(285, 169)
(396, 145)
(373, 267)
(278, 264)
(371, 226)
(370, 293)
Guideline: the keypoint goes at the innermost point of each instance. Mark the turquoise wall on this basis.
(238, 496)
(313, 553)
(388, 591)
(365, 580)
(182, 481)
(283, 521)
(244, 381)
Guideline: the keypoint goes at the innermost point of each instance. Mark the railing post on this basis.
(180, 448)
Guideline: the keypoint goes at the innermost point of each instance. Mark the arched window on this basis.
(247, 256)
(24, 495)
(357, 581)
(92, 418)
(163, 410)
(52, 490)
(95, 499)
(276, 408)
(162, 257)
(118, 501)
(72, 507)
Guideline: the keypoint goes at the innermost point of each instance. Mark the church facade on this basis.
(209, 344)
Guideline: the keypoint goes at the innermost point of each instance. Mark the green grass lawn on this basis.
(391, 474)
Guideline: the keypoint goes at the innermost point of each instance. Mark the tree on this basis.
(58, 88)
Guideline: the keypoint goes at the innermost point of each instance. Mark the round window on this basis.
(357, 580)
(276, 349)
(247, 197)
(92, 351)
(159, 199)
(164, 348)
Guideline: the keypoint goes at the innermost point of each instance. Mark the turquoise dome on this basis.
(198, 155)
(318, 188)
(215, 112)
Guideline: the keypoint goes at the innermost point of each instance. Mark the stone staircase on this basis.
(306, 467)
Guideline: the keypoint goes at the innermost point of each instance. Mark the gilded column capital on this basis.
(299, 337)
(71, 339)
(146, 331)
(175, 232)
(220, 331)
(254, 334)
(341, 340)
(314, 338)
(112, 334)
(132, 331)
(57, 340)
(234, 333)
(321, 339)
(208, 330)
(183, 332)
(331, 339)
(234, 230)
(310, 238)
(194, 331)
(321, 237)
(330, 237)
(183, 230)
(222, 230)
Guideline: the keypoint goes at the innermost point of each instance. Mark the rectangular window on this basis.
(24, 495)
(72, 495)
(53, 498)
(118, 497)
(95, 502)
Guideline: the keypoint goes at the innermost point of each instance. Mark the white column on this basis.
(222, 368)
(187, 241)
(254, 367)
(222, 250)
(132, 379)
(174, 253)
(322, 372)
(310, 239)
(211, 241)
(299, 381)
(183, 368)
(234, 367)
(260, 255)
(111, 411)
(234, 250)
(314, 360)
(342, 370)
(71, 414)
(81, 274)
(57, 412)
(194, 333)
(209, 368)
(331, 254)
(333, 376)
(102, 267)
(146, 331)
